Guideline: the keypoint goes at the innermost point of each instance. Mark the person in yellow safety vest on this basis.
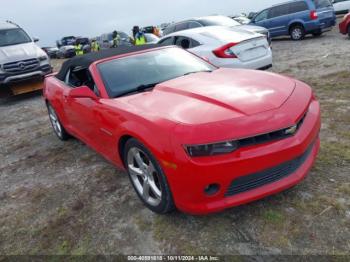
(78, 49)
(116, 39)
(140, 38)
(95, 47)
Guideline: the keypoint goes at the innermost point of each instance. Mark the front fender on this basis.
(155, 135)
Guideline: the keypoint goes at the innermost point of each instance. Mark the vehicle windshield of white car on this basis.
(13, 36)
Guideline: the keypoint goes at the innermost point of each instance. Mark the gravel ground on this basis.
(62, 198)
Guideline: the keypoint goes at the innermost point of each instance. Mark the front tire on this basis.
(349, 31)
(147, 177)
(58, 128)
(297, 32)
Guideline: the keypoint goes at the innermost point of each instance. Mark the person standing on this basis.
(95, 47)
(78, 49)
(116, 39)
(140, 38)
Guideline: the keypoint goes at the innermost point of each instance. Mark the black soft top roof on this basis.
(85, 61)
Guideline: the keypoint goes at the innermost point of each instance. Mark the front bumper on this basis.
(193, 176)
(8, 78)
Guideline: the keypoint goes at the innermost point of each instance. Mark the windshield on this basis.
(126, 74)
(322, 3)
(219, 21)
(13, 36)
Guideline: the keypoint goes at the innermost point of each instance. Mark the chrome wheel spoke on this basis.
(155, 190)
(145, 190)
(143, 175)
(54, 121)
(134, 171)
(139, 160)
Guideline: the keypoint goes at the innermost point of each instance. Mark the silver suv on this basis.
(20, 57)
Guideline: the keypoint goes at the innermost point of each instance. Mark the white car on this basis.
(341, 6)
(151, 38)
(20, 57)
(224, 47)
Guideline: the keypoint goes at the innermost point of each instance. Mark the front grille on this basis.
(269, 137)
(249, 182)
(21, 66)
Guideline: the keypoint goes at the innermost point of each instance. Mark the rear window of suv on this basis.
(322, 3)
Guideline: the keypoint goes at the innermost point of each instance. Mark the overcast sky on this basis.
(50, 20)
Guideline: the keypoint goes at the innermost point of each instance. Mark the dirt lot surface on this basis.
(62, 198)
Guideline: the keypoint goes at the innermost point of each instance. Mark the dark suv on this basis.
(297, 18)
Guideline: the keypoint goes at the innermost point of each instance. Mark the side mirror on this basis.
(35, 39)
(83, 92)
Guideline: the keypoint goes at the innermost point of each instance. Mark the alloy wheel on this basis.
(55, 122)
(297, 33)
(144, 176)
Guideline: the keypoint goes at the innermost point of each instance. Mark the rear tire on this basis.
(147, 177)
(297, 32)
(58, 128)
(349, 31)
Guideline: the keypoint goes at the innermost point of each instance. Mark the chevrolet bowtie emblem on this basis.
(292, 130)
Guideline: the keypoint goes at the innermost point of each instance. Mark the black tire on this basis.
(166, 203)
(349, 31)
(297, 32)
(56, 124)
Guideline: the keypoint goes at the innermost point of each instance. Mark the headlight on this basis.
(212, 149)
(43, 58)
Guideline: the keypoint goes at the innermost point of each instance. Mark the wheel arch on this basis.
(156, 139)
(295, 23)
(121, 145)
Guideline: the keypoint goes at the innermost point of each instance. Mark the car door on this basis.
(278, 19)
(91, 119)
(260, 18)
(78, 111)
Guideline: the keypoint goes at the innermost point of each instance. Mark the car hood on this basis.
(19, 52)
(253, 28)
(210, 97)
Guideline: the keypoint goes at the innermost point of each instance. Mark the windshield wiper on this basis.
(195, 72)
(138, 89)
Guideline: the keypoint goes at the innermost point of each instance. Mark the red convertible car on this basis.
(190, 135)
(344, 25)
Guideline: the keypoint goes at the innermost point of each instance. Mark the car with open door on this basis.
(190, 135)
